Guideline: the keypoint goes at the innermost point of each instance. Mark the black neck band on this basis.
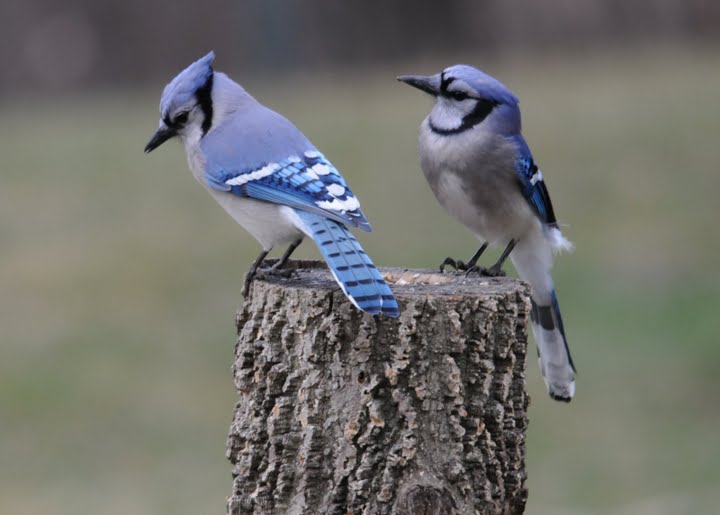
(482, 109)
(204, 99)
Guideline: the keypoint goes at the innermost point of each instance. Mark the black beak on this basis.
(161, 136)
(429, 84)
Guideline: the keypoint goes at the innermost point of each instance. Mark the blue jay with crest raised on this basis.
(268, 176)
(481, 171)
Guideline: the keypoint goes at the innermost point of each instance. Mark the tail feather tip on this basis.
(562, 393)
(391, 310)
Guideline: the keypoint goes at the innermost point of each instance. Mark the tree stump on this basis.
(343, 413)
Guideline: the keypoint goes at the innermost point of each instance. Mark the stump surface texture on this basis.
(343, 413)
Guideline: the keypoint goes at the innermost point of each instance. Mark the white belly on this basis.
(492, 215)
(270, 224)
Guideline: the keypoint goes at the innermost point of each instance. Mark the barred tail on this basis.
(532, 260)
(353, 270)
(555, 360)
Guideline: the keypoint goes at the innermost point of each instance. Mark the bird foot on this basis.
(249, 277)
(263, 273)
(458, 265)
(274, 271)
(493, 271)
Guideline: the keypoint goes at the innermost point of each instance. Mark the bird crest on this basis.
(182, 88)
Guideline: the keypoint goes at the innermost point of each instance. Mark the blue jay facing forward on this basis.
(482, 172)
(269, 178)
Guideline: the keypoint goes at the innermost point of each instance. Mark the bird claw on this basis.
(274, 271)
(458, 265)
(493, 271)
(263, 273)
(246, 284)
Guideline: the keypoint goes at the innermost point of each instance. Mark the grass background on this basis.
(120, 278)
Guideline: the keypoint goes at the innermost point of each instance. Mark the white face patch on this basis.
(191, 129)
(448, 114)
(335, 190)
(349, 204)
(191, 134)
(459, 85)
(312, 154)
(257, 174)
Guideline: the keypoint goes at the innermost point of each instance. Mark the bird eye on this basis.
(458, 95)
(181, 118)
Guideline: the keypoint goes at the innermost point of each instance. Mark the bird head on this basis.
(466, 97)
(186, 105)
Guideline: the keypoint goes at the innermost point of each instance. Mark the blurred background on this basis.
(120, 276)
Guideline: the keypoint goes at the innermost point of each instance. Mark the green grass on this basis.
(120, 277)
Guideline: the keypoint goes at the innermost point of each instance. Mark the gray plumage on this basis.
(481, 171)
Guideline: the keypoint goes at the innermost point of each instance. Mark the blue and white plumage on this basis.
(481, 170)
(269, 178)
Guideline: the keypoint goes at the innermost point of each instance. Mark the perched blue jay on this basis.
(269, 178)
(482, 172)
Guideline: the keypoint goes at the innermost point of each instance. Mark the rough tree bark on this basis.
(344, 413)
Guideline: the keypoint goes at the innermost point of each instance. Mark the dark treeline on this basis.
(48, 43)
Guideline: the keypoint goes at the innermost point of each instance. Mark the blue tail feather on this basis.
(354, 271)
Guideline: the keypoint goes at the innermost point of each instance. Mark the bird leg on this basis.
(460, 265)
(495, 270)
(285, 257)
(252, 272)
(277, 268)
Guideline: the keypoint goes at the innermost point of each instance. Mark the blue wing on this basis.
(308, 182)
(533, 186)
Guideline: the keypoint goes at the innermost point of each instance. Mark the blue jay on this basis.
(482, 172)
(269, 178)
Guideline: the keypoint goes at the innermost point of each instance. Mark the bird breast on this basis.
(472, 174)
